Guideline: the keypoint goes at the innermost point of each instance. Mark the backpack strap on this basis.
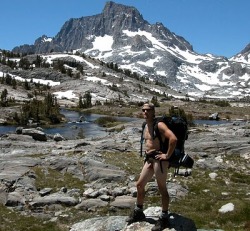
(158, 135)
(142, 137)
(157, 132)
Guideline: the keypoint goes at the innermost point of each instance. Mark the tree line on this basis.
(34, 110)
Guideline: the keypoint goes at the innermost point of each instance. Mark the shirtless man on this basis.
(155, 163)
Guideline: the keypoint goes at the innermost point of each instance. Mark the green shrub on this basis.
(107, 121)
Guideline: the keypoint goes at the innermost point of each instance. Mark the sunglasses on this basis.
(146, 110)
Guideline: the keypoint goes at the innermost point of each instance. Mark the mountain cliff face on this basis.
(114, 19)
(120, 35)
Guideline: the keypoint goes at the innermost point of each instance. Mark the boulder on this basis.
(95, 170)
(15, 199)
(35, 133)
(57, 137)
(3, 194)
(111, 223)
(123, 202)
(91, 204)
(56, 198)
(214, 116)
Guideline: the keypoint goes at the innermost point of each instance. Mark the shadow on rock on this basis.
(180, 223)
(118, 223)
(177, 222)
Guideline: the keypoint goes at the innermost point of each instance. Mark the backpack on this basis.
(178, 125)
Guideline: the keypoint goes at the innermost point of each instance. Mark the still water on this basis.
(211, 122)
(87, 128)
(74, 128)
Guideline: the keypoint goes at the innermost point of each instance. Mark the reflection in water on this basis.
(7, 129)
(80, 134)
(211, 122)
(82, 125)
(79, 125)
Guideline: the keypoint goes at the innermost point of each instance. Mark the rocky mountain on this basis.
(119, 34)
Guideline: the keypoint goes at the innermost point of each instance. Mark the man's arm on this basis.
(172, 140)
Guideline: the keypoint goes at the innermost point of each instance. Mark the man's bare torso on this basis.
(151, 143)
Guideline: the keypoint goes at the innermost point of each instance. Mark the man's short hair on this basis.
(149, 106)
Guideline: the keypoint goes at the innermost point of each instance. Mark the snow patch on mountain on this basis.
(96, 79)
(34, 80)
(102, 43)
(157, 44)
(52, 57)
(65, 94)
(244, 59)
(47, 39)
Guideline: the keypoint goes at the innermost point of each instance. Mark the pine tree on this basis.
(8, 79)
(80, 103)
(26, 85)
(4, 100)
(154, 100)
(87, 101)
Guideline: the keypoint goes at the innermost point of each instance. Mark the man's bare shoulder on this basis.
(162, 125)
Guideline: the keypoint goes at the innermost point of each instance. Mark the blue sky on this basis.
(219, 27)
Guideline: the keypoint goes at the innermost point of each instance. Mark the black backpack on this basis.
(178, 125)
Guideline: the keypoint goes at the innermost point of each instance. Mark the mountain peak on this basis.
(118, 17)
(112, 9)
(120, 35)
(246, 50)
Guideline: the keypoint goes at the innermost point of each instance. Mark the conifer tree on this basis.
(154, 100)
(80, 103)
(4, 101)
(87, 100)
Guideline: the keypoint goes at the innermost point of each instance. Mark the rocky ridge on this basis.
(104, 83)
(151, 50)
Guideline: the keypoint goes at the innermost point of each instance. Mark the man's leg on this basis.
(146, 174)
(161, 178)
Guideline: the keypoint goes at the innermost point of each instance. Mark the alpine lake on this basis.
(81, 125)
